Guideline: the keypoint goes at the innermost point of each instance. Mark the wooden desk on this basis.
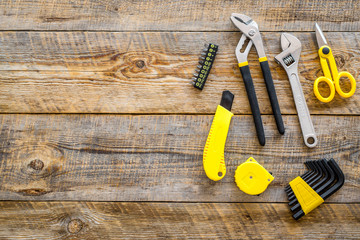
(101, 134)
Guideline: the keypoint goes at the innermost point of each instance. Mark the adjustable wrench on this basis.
(289, 60)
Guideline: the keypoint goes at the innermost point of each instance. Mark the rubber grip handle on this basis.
(213, 156)
(272, 95)
(249, 86)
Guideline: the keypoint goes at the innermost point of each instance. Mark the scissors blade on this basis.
(320, 38)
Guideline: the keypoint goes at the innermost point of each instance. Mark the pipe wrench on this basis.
(289, 60)
(250, 31)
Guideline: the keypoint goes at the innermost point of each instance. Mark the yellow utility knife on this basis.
(213, 157)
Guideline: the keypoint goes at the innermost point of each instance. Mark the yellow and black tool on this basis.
(312, 188)
(252, 178)
(213, 157)
(250, 31)
(331, 79)
(203, 69)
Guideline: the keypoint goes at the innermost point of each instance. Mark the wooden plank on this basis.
(99, 72)
(190, 15)
(159, 158)
(110, 220)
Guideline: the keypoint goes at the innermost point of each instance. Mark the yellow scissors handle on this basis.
(317, 92)
(333, 81)
(352, 83)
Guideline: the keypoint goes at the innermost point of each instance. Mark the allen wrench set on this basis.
(309, 190)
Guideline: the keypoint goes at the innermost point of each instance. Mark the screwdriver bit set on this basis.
(205, 63)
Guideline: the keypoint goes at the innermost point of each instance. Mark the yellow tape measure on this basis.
(252, 178)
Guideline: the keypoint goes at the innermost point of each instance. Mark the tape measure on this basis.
(252, 178)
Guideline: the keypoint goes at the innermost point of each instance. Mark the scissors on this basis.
(333, 82)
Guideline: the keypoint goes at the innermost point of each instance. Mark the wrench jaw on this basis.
(250, 29)
(242, 56)
(288, 40)
(290, 56)
(240, 20)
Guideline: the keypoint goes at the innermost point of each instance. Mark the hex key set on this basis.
(308, 191)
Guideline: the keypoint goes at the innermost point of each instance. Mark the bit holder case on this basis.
(205, 63)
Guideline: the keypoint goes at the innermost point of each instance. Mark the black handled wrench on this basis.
(250, 31)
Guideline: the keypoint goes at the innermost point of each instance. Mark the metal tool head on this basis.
(285, 43)
(242, 56)
(250, 30)
(320, 38)
(291, 47)
(290, 42)
(241, 21)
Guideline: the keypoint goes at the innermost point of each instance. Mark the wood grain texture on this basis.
(190, 15)
(159, 158)
(100, 72)
(137, 57)
(100, 220)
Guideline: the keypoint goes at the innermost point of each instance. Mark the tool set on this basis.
(324, 177)
(325, 55)
(205, 63)
(289, 60)
(250, 30)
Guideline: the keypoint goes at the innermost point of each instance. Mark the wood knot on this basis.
(75, 226)
(36, 164)
(33, 192)
(140, 63)
(340, 61)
